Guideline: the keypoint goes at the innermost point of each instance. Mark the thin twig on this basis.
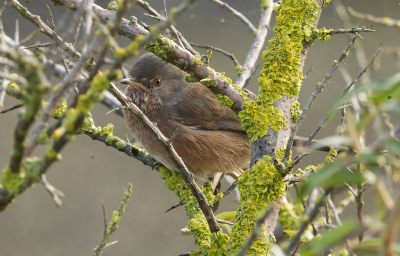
(54, 192)
(228, 54)
(38, 45)
(180, 203)
(145, 5)
(351, 30)
(314, 95)
(29, 37)
(11, 108)
(348, 87)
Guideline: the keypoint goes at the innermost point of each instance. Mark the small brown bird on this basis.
(210, 138)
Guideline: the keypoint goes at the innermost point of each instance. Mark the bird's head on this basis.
(154, 83)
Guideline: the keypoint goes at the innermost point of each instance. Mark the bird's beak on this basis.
(131, 82)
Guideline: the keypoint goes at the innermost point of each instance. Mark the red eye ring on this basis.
(157, 81)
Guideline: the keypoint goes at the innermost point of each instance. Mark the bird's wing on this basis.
(200, 108)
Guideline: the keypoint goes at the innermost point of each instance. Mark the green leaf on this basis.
(331, 238)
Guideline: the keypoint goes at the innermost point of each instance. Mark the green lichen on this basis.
(326, 2)
(51, 154)
(255, 119)
(108, 130)
(133, 21)
(280, 74)
(295, 111)
(258, 187)
(116, 216)
(264, 4)
(99, 83)
(240, 91)
(131, 49)
(11, 181)
(224, 78)
(291, 217)
(208, 244)
(58, 133)
(14, 91)
(224, 100)
(70, 118)
(238, 69)
(60, 111)
(163, 46)
(42, 138)
(311, 33)
(190, 78)
(32, 166)
(209, 81)
(112, 6)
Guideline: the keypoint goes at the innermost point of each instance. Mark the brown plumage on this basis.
(210, 138)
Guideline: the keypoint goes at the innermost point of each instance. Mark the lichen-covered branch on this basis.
(113, 224)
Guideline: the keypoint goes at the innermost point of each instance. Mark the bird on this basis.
(206, 135)
(209, 140)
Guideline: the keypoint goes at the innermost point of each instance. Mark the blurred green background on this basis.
(92, 173)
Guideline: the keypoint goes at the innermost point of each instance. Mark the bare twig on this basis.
(11, 108)
(128, 149)
(38, 45)
(29, 37)
(126, 29)
(256, 47)
(145, 5)
(314, 95)
(348, 87)
(180, 203)
(228, 54)
(54, 192)
(237, 14)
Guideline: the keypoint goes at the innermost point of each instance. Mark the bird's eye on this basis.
(157, 81)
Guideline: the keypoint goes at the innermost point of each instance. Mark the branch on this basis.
(258, 43)
(128, 29)
(128, 149)
(113, 225)
(351, 30)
